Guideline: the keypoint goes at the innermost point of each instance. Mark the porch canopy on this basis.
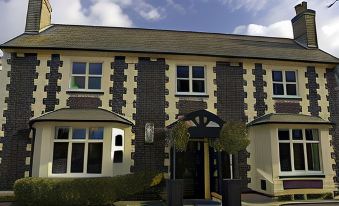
(81, 115)
(203, 124)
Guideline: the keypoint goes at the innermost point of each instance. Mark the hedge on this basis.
(34, 191)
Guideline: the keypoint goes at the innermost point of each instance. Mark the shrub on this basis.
(81, 191)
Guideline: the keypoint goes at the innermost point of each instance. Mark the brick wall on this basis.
(313, 96)
(52, 88)
(259, 94)
(118, 90)
(16, 138)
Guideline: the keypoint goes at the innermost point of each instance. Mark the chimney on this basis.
(38, 15)
(304, 26)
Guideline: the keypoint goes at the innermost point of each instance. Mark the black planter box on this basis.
(231, 192)
(175, 192)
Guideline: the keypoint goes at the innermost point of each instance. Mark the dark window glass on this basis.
(183, 72)
(60, 153)
(198, 72)
(285, 157)
(94, 163)
(96, 133)
(277, 76)
(290, 76)
(77, 162)
(62, 133)
(312, 134)
(118, 156)
(79, 68)
(183, 86)
(284, 135)
(278, 89)
(199, 86)
(118, 140)
(291, 89)
(297, 134)
(79, 134)
(313, 158)
(95, 68)
(94, 83)
(299, 158)
(78, 82)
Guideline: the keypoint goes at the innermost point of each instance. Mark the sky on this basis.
(251, 17)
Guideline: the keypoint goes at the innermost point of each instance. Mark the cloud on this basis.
(249, 5)
(176, 6)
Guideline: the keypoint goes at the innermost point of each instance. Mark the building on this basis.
(78, 100)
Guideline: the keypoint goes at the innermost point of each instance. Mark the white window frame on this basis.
(116, 132)
(70, 142)
(294, 172)
(285, 83)
(87, 75)
(190, 80)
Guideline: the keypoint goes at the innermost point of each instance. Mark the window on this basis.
(284, 83)
(77, 150)
(191, 80)
(299, 151)
(86, 76)
(117, 145)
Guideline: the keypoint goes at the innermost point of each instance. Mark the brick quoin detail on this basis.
(119, 65)
(150, 92)
(52, 88)
(259, 95)
(16, 138)
(313, 96)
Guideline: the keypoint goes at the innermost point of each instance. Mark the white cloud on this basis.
(249, 5)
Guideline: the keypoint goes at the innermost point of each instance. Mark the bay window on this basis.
(299, 151)
(77, 151)
(191, 80)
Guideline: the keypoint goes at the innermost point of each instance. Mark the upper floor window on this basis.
(284, 83)
(86, 76)
(191, 80)
(299, 151)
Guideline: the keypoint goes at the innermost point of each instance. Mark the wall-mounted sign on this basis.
(149, 133)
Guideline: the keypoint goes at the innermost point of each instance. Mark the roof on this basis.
(281, 118)
(95, 38)
(81, 115)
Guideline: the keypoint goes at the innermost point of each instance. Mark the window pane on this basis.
(277, 76)
(118, 140)
(198, 72)
(299, 159)
(183, 72)
(62, 133)
(284, 135)
(94, 163)
(118, 156)
(95, 68)
(60, 153)
(312, 134)
(183, 86)
(278, 89)
(79, 134)
(96, 133)
(79, 68)
(77, 163)
(285, 157)
(291, 89)
(94, 83)
(297, 134)
(77, 82)
(290, 76)
(199, 86)
(313, 158)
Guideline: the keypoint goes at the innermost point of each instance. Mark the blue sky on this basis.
(251, 17)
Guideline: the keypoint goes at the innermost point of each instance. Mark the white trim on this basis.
(116, 132)
(87, 76)
(190, 80)
(285, 83)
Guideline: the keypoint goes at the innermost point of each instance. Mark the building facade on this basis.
(77, 101)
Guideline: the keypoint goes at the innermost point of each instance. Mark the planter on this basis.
(231, 192)
(175, 192)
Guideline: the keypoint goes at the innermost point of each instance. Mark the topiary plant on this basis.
(180, 136)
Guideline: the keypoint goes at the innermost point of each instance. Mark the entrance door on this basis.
(190, 167)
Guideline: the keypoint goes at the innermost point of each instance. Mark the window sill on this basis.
(301, 176)
(84, 92)
(287, 98)
(192, 95)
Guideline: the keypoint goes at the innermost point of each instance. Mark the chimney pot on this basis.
(300, 8)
